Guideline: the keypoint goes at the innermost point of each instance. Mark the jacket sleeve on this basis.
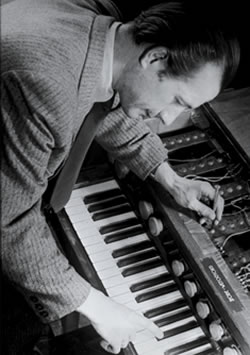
(32, 107)
(131, 142)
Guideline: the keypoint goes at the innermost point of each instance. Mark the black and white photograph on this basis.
(125, 177)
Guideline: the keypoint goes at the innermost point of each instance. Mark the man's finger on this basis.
(207, 190)
(151, 326)
(113, 349)
(219, 207)
(203, 210)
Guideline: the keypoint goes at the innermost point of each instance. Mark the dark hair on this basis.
(192, 36)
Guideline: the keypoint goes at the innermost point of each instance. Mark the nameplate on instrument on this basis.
(222, 285)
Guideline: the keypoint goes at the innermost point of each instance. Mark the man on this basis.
(58, 58)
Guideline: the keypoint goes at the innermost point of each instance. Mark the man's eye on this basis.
(179, 103)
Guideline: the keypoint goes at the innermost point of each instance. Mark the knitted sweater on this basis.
(52, 53)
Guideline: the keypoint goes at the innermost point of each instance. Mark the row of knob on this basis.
(203, 308)
(179, 267)
(201, 167)
(184, 138)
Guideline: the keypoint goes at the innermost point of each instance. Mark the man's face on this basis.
(144, 94)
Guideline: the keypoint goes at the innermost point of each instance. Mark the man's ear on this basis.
(152, 55)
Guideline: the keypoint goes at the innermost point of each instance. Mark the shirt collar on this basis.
(104, 90)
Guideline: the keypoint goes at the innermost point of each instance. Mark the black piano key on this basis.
(112, 227)
(149, 254)
(174, 318)
(99, 206)
(143, 267)
(102, 195)
(173, 253)
(150, 282)
(115, 237)
(111, 212)
(169, 244)
(166, 308)
(156, 293)
(188, 346)
(146, 244)
(179, 330)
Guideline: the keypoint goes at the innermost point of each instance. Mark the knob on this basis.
(231, 351)
(202, 309)
(145, 209)
(191, 288)
(155, 226)
(178, 267)
(216, 331)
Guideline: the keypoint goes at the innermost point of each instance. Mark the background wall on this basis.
(235, 13)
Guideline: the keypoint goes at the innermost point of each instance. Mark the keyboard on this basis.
(132, 271)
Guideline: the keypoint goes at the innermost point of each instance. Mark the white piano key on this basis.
(144, 336)
(124, 298)
(140, 262)
(154, 287)
(165, 351)
(127, 293)
(198, 350)
(80, 217)
(88, 222)
(118, 218)
(99, 248)
(97, 257)
(77, 201)
(113, 281)
(91, 189)
(136, 253)
(148, 347)
(145, 274)
(95, 239)
(78, 207)
(114, 269)
(105, 264)
(128, 241)
(91, 240)
(109, 204)
(91, 236)
(96, 248)
(181, 339)
(118, 290)
(84, 232)
(179, 323)
(107, 273)
(156, 302)
(170, 313)
(100, 257)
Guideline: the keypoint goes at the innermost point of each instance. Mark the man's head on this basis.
(179, 60)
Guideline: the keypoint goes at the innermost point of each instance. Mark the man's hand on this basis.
(190, 193)
(115, 323)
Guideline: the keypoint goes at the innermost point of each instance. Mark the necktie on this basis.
(64, 181)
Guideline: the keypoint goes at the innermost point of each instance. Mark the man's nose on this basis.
(169, 115)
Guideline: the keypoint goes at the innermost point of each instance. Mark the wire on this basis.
(232, 235)
(192, 160)
(242, 210)
(233, 203)
(215, 179)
